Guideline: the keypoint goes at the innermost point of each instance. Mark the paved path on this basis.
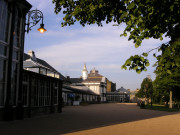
(98, 119)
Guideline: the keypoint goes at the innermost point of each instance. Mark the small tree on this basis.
(146, 90)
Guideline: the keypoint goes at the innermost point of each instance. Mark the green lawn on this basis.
(161, 108)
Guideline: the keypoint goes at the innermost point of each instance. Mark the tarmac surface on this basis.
(98, 119)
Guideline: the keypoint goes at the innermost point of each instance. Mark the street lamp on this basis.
(34, 16)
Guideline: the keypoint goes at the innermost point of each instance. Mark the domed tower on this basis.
(84, 73)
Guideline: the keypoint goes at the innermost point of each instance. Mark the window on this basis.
(2, 81)
(42, 71)
(57, 75)
(15, 55)
(15, 60)
(35, 89)
(4, 21)
(25, 90)
(56, 94)
(42, 92)
(17, 31)
(3, 49)
(49, 73)
(47, 94)
(25, 94)
(4, 28)
(14, 83)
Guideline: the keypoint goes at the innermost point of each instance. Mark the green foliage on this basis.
(140, 94)
(168, 68)
(146, 90)
(160, 93)
(144, 18)
(161, 108)
(147, 87)
(138, 63)
(168, 65)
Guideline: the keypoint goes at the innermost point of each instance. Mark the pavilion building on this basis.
(94, 81)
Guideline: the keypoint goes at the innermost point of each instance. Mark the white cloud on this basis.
(87, 49)
(45, 6)
(91, 45)
(68, 48)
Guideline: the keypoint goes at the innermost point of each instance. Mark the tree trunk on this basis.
(170, 100)
(151, 102)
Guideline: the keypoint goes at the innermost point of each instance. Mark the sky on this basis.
(67, 49)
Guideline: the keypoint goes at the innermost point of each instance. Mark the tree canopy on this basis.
(146, 89)
(143, 18)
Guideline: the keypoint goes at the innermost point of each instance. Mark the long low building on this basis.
(120, 95)
(73, 94)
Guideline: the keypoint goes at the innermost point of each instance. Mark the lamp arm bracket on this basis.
(34, 16)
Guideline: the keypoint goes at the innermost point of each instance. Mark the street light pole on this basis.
(34, 16)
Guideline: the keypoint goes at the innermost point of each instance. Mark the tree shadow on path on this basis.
(78, 118)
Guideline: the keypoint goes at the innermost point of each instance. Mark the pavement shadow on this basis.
(78, 118)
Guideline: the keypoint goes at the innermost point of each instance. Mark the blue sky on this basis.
(68, 48)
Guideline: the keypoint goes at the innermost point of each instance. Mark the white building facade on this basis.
(94, 81)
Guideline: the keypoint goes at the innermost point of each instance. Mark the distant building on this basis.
(111, 86)
(133, 97)
(93, 81)
(123, 90)
(120, 95)
(74, 95)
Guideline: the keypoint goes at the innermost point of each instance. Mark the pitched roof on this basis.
(81, 90)
(76, 80)
(93, 76)
(30, 63)
(94, 73)
(123, 90)
(38, 62)
(92, 80)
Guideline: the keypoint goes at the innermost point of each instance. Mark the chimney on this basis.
(68, 78)
(32, 55)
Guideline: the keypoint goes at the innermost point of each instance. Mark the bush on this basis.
(142, 105)
(138, 103)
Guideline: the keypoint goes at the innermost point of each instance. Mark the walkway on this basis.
(98, 119)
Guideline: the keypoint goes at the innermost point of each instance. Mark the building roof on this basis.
(80, 80)
(94, 73)
(33, 62)
(93, 76)
(76, 80)
(81, 90)
(123, 90)
(92, 80)
(37, 63)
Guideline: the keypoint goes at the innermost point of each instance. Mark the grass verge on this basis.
(161, 108)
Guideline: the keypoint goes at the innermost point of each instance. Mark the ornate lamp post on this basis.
(34, 16)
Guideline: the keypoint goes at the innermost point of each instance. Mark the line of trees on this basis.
(161, 91)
